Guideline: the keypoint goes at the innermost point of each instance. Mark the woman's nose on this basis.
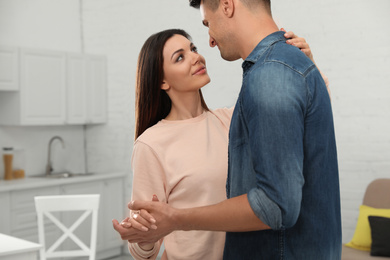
(195, 57)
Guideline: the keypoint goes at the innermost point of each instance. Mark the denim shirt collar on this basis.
(259, 50)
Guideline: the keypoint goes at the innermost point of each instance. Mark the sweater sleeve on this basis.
(148, 179)
(224, 114)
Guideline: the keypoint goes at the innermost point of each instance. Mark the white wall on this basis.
(353, 50)
(41, 24)
(53, 25)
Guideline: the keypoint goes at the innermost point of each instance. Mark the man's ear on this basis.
(165, 86)
(227, 7)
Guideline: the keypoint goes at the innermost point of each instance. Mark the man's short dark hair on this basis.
(195, 3)
(213, 4)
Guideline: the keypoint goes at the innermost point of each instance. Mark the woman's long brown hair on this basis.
(152, 103)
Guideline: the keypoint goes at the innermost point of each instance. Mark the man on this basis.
(282, 185)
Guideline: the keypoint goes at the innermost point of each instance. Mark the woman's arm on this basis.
(148, 182)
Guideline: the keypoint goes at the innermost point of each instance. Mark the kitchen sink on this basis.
(62, 175)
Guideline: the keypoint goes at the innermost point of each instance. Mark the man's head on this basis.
(232, 24)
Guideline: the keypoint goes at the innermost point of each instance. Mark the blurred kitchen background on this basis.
(349, 40)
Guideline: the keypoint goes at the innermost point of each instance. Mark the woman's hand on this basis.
(142, 221)
(139, 219)
(298, 42)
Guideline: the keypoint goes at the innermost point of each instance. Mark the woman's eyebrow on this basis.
(180, 50)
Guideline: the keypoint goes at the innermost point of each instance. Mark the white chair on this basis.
(46, 204)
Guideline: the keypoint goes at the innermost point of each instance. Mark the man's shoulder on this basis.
(284, 56)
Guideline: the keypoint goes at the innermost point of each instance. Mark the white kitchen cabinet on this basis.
(52, 87)
(23, 219)
(86, 89)
(9, 74)
(5, 215)
(96, 86)
(113, 209)
(18, 215)
(76, 89)
(41, 99)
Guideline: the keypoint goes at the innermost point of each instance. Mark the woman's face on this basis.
(184, 68)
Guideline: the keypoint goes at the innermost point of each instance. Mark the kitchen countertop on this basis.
(35, 182)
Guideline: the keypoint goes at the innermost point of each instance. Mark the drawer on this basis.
(27, 218)
(52, 233)
(25, 199)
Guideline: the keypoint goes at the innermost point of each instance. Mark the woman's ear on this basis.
(165, 86)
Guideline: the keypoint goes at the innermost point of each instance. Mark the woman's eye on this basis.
(179, 58)
(194, 49)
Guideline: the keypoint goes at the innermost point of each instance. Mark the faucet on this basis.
(49, 166)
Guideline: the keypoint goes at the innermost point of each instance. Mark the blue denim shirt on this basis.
(282, 153)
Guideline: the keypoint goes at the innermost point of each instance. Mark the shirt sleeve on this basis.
(326, 80)
(148, 179)
(273, 108)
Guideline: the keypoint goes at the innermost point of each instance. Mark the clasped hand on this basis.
(149, 221)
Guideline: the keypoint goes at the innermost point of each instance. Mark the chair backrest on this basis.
(378, 194)
(89, 204)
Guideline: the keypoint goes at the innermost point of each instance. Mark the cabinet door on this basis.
(76, 89)
(43, 98)
(9, 75)
(5, 217)
(115, 208)
(23, 214)
(97, 88)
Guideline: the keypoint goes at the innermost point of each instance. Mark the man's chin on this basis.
(229, 57)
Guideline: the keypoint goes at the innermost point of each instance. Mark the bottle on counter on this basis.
(18, 164)
(8, 157)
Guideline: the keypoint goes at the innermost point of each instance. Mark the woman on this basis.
(180, 152)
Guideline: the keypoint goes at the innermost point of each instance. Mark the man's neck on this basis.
(253, 29)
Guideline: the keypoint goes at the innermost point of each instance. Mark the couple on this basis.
(282, 183)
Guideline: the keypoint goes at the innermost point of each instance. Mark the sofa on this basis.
(377, 195)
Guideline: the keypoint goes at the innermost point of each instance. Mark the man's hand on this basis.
(134, 227)
(165, 222)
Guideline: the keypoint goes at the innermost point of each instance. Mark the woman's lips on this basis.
(200, 71)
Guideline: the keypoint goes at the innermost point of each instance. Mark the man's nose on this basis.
(212, 42)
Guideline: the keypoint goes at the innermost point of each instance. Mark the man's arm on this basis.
(234, 215)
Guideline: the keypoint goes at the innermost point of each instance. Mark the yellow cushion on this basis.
(362, 237)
